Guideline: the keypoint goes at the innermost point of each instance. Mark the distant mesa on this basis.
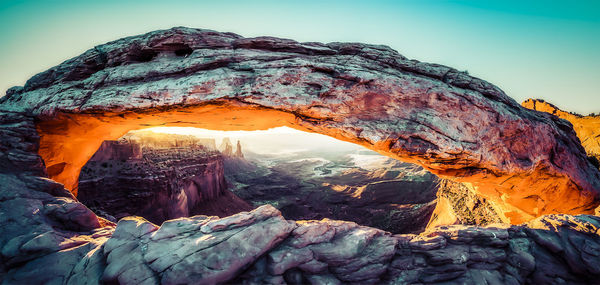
(153, 139)
(159, 177)
(586, 127)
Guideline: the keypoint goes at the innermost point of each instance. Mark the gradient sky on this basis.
(541, 49)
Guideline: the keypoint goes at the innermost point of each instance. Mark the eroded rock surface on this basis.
(586, 127)
(262, 247)
(455, 125)
(458, 203)
(49, 237)
(157, 177)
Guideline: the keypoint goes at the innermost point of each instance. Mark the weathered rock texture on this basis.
(458, 203)
(474, 131)
(158, 178)
(455, 125)
(586, 127)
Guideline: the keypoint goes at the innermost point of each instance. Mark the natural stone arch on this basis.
(455, 125)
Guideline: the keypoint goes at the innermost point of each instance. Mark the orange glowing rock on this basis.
(586, 127)
(457, 126)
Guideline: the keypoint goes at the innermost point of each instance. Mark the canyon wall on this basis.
(158, 177)
(586, 127)
(387, 194)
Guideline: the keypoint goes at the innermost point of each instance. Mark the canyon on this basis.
(166, 176)
(157, 177)
(386, 194)
(526, 166)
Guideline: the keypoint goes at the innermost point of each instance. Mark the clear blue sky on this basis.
(541, 49)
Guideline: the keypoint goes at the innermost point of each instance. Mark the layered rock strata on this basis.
(455, 125)
(586, 127)
(154, 179)
(458, 203)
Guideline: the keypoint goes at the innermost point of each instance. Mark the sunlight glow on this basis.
(272, 141)
(212, 133)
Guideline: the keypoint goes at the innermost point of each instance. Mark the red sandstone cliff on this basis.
(586, 127)
(127, 177)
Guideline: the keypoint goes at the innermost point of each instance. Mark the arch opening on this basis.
(69, 140)
(170, 172)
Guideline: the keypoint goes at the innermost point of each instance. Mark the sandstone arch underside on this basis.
(455, 125)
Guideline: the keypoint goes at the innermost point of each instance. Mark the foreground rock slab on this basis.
(261, 247)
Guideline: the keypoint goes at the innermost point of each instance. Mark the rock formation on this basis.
(226, 147)
(238, 150)
(586, 127)
(162, 179)
(148, 138)
(455, 125)
(458, 203)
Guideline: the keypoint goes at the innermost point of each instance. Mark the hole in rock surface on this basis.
(164, 173)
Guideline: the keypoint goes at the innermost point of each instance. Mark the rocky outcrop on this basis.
(156, 179)
(458, 203)
(455, 125)
(226, 147)
(222, 248)
(262, 247)
(586, 127)
(238, 150)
